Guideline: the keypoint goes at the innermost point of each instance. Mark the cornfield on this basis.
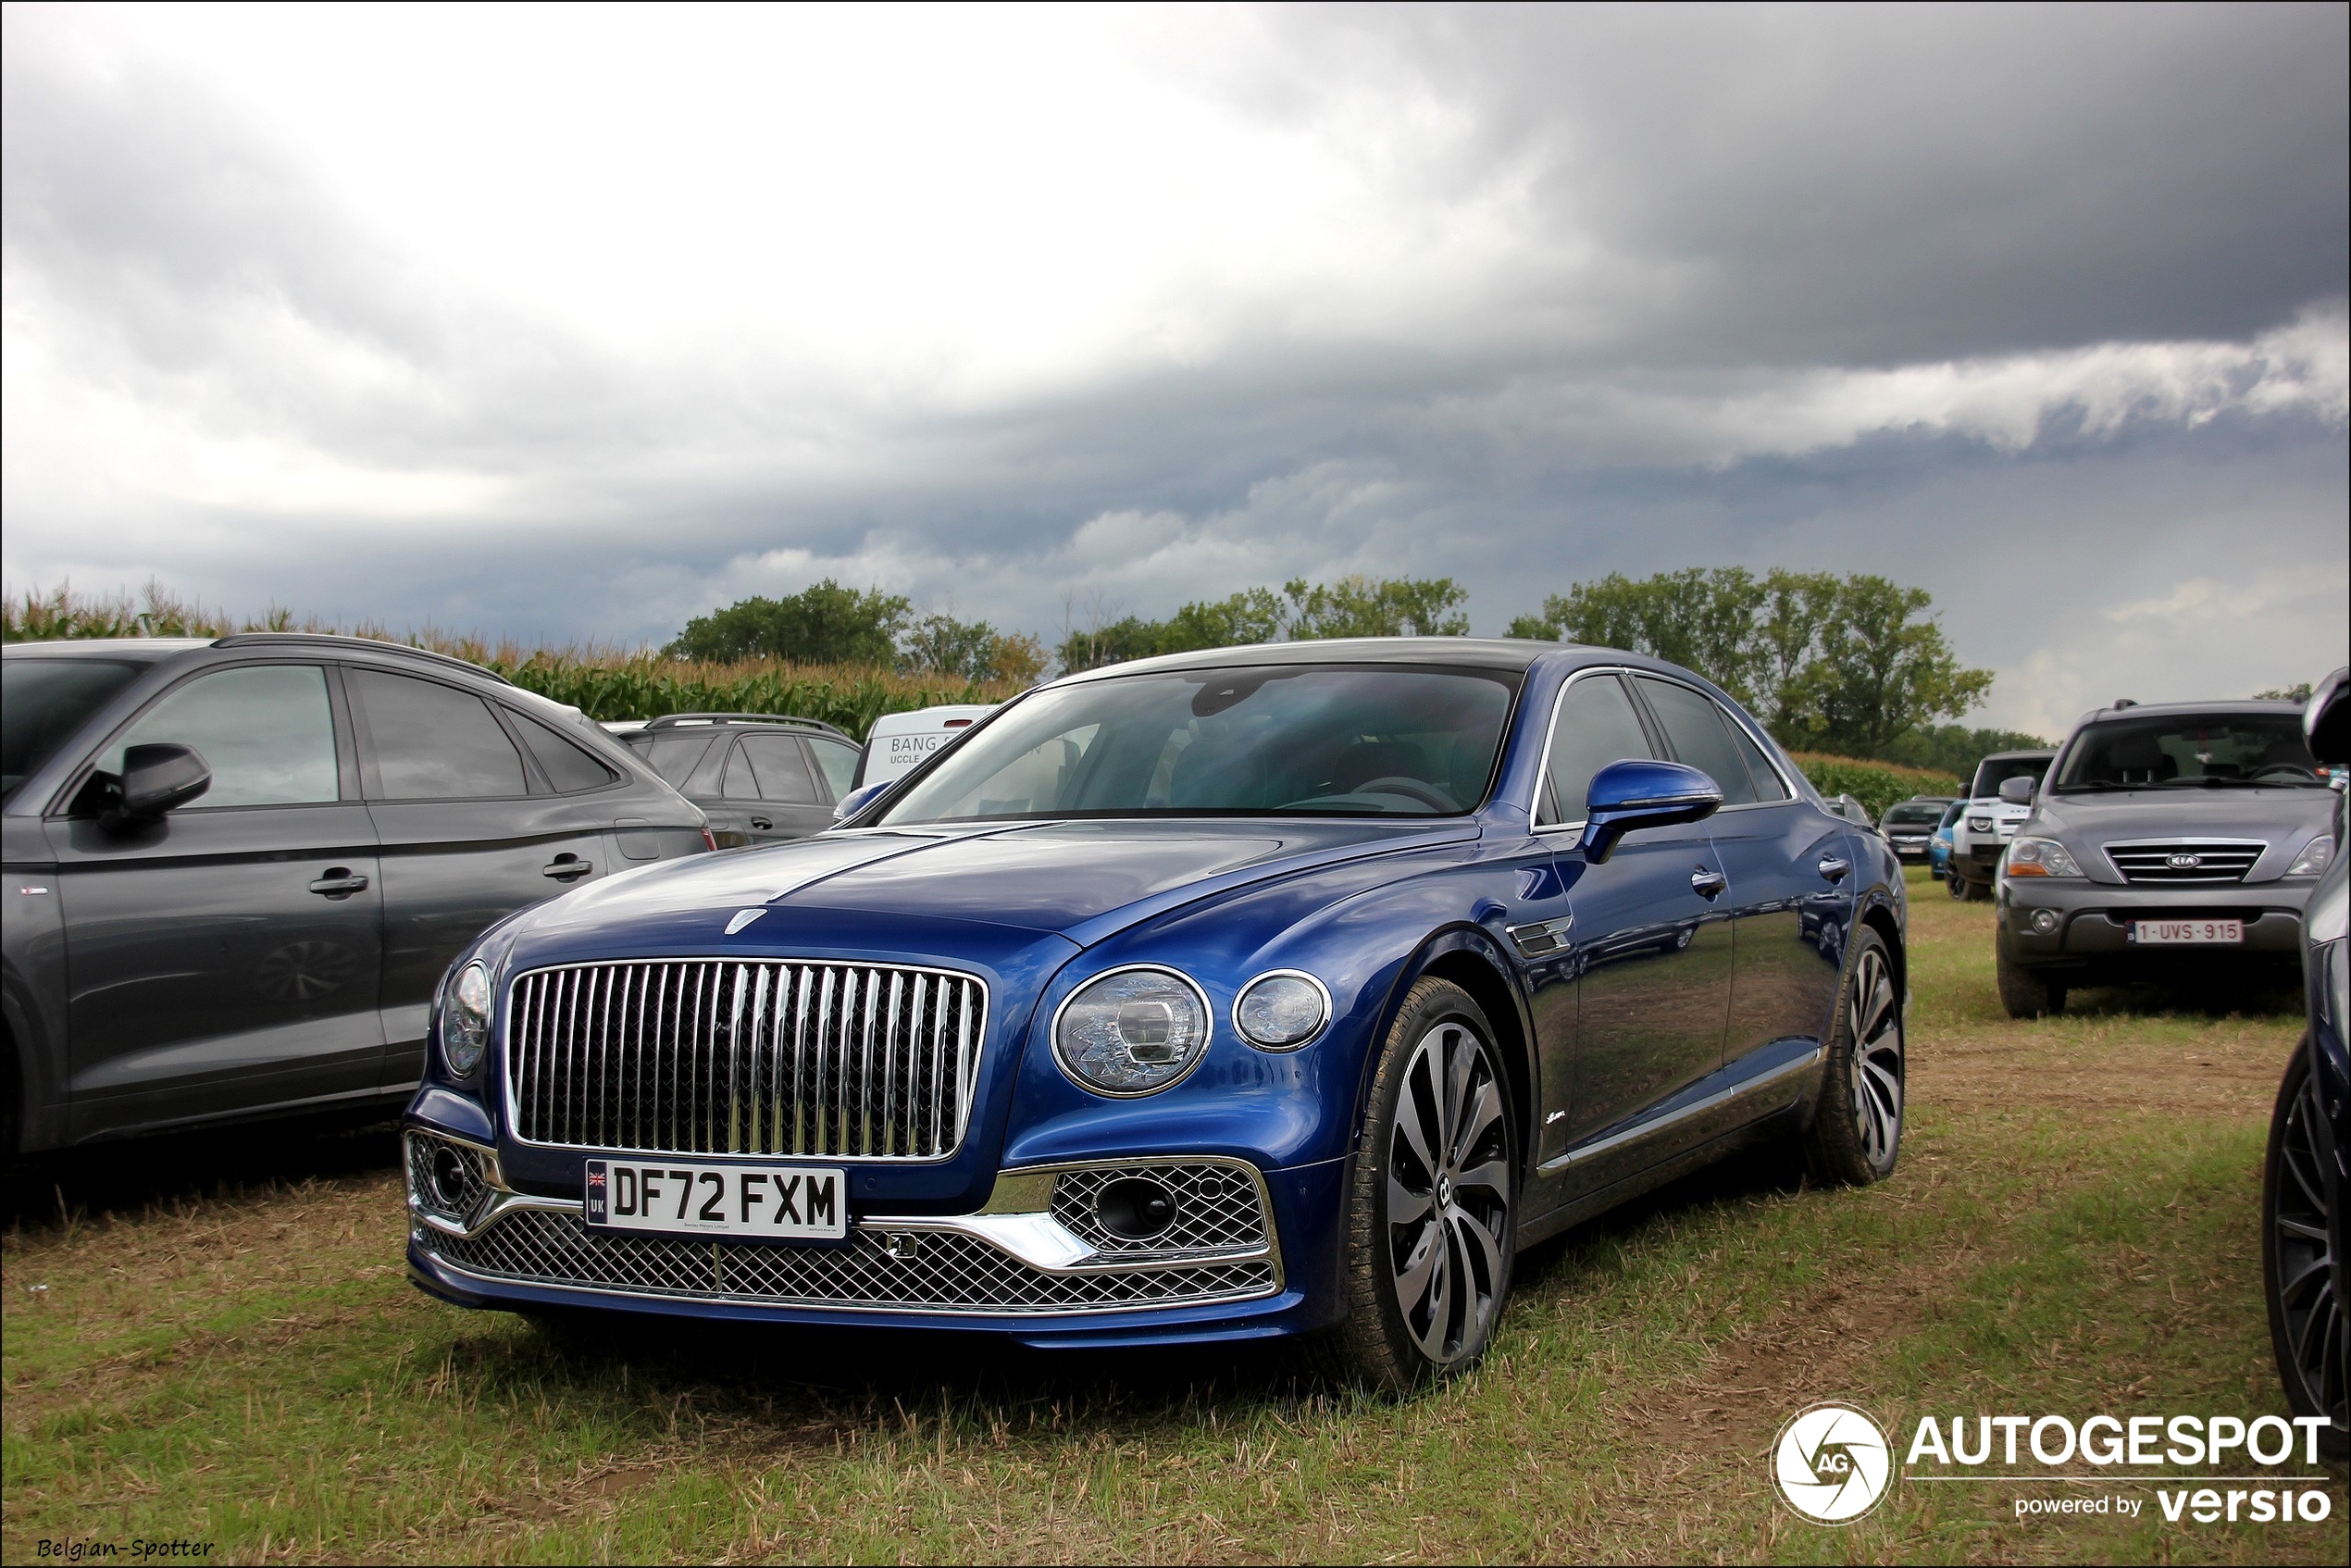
(605, 682)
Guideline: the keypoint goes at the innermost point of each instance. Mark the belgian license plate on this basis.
(2184, 933)
(791, 1203)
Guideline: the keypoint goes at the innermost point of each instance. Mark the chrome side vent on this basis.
(721, 1056)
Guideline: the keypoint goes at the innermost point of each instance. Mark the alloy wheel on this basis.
(2315, 1329)
(1874, 1022)
(1448, 1194)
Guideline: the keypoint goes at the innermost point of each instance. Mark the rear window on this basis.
(1913, 817)
(566, 764)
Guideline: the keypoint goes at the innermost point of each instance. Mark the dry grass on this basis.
(226, 1350)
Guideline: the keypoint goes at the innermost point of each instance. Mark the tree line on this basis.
(1855, 665)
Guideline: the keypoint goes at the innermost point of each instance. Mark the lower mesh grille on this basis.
(445, 1178)
(943, 1272)
(1216, 1208)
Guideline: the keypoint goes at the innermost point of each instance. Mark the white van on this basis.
(902, 742)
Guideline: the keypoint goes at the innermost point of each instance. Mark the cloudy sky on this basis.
(572, 324)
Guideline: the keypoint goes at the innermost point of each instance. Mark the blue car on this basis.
(1938, 847)
(1279, 991)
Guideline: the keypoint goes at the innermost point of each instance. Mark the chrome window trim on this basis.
(966, 1092)
(1763, 743)
(1543, 769)
(1312, 1036)
(1208, 1018)
(1759, 1084)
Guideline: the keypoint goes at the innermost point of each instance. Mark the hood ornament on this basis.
(742, 918)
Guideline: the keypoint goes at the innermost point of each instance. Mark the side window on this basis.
(1758, 766)
(674, 757)
(1700, 736)
(740, 785)
(566, 764)
(838, 762)
(781, 768)
(433, 743)
(1595, 726)
(265, 730)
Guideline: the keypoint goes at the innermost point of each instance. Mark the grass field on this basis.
(223, 1348)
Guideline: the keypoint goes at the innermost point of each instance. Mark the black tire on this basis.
(2309, 1324)
(1423, 1292)
(1955, 885)
(1856, 1134)
(2024, 992)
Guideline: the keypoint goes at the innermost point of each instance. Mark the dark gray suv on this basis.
(235, 870)
(760, 778)
(2170, 840)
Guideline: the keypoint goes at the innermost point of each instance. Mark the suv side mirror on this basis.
(858, 799)
(1630, 795)
(2327, 720)
(2018, 791)
(159, 777)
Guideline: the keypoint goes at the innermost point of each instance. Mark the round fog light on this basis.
(453, 1179)
(2045, 921)
(1136, 1209)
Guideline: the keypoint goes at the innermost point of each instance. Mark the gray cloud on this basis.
(1968, 297)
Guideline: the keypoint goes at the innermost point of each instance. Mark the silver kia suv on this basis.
(2169, 841)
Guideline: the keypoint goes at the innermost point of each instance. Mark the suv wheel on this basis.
(2307, 1328)
(1432, 1218)
(2025, 993)
(1857, 1131)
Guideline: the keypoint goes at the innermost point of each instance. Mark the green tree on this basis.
(1848, 663)
(1954, 747)
(824, 624)
(1129, 637)
(970, 650)
(1367, 607)
(1251, 616)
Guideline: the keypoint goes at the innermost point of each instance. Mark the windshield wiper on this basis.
(2089, 786)
(2208, 781)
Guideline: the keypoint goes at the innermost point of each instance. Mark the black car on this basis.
(2303, 1264)
(236, 869)
(760, 777)
(1909, 824)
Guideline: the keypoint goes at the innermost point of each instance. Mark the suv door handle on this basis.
(339, 883)
(763, 824)
(1708, 885)
(1833, 868)
(566, 867)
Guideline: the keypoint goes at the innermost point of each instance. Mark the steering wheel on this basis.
(1410, 789)
(2290, 768)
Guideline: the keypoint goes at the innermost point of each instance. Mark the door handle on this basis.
(763, 824)
(339, 883)
(1833, 868)
(1708, 885)
(564, 867)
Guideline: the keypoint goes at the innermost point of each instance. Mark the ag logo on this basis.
(1832, 1463)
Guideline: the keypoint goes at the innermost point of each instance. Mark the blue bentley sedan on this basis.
(1287, 989)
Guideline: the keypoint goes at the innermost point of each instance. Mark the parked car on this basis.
(760, 777)
(237, 868)
(1254, 992)
(1907, 825)
(1938, 850)
(899, 743)
(1981, 834)
(2305, 1176)
(2172, 840)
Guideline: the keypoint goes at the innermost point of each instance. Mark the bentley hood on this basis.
(1082, 881)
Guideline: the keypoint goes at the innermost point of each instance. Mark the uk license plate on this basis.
(2185, 933)
(787, 1202)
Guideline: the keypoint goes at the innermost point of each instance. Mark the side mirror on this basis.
(1631, 795)
(2018, 791)
(159, 777)
(858, 799)
(2327, 720)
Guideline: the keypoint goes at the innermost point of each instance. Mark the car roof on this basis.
(1469, 653)
(147, 650)
(2174, 710)
(155, 650)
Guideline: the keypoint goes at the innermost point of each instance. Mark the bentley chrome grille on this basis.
(2179, 861)
(721, 1056)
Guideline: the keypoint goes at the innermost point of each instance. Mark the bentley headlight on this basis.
(2314, 856)
(2041, 857)
(1281, 1010)
(465, 1020)
(1132, 1031)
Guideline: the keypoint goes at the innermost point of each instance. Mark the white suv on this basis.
(1982, 831)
